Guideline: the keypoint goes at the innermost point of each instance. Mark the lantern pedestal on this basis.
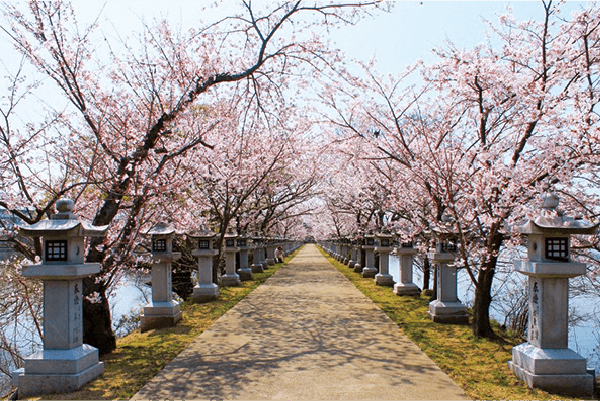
(406, 286)
(205, 293)
(447, 308)
(369, 271)
(230, 278)
(163, 311)
(271, 254)
(545, 361)
(66, 363)
(384, 278)
(205, 290)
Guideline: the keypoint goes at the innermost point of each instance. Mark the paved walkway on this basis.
(306, 333)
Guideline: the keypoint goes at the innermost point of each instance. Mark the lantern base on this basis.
(410, 289)
(245, 274)
(230, 280)
(351, 263)
(357, 268)
(384, 280)
(160, 314)
(257, 268)
(559, 370)
(448, 312)
(57, 371)
(205, 293)
(369, 272)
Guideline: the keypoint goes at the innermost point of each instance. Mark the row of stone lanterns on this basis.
(384, 244)
(544, 361)
(65, 363)
(163, 311)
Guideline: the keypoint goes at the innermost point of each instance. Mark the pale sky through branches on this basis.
(399, 38)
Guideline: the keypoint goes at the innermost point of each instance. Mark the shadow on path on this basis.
(306, 333)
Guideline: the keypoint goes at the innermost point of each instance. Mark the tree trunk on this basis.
(481, 306)
(426, 273)
(483, 289)
(97, 322)
(435, 283)
(97, 325)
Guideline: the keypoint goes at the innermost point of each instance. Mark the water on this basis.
(128, 298)
(584, 337)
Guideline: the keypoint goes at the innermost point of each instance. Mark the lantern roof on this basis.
(202, 232)
(162, 229)
(445, 229)
(553, 221)
(230, 233)
(64, 222)
(384, 233)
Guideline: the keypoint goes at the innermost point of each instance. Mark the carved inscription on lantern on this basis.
(76, 326)
(534, 331)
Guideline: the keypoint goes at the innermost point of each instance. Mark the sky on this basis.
(398, 39)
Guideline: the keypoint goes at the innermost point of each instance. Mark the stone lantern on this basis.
(65, 364)
(369, 270)
(345, 250)
(384, 247)
(545, 361)
(244, 271)
(163, 311)
(446, 308)
(205, 290)
(230, 278)
(270, 244)
(360, 242)
(259, 253)
(406, 253)
(352, 260)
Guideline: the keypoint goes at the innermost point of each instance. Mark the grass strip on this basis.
(478, 365)
(139, 357)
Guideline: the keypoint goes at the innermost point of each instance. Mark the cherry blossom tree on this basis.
(122, 129)
(489, 131)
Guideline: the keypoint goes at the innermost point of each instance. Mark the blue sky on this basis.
(398, 39)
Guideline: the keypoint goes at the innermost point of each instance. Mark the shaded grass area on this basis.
(139, 357)
(478, 365)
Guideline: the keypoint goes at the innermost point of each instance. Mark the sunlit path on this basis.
(307, 333)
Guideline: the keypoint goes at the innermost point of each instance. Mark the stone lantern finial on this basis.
(551, 201)
(65, 210)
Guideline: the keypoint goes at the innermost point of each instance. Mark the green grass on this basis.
(478, 365)
(140, 356)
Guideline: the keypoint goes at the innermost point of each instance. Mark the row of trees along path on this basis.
(218, 126)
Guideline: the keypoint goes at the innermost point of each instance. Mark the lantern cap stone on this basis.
(553, 221)
(63, 223)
